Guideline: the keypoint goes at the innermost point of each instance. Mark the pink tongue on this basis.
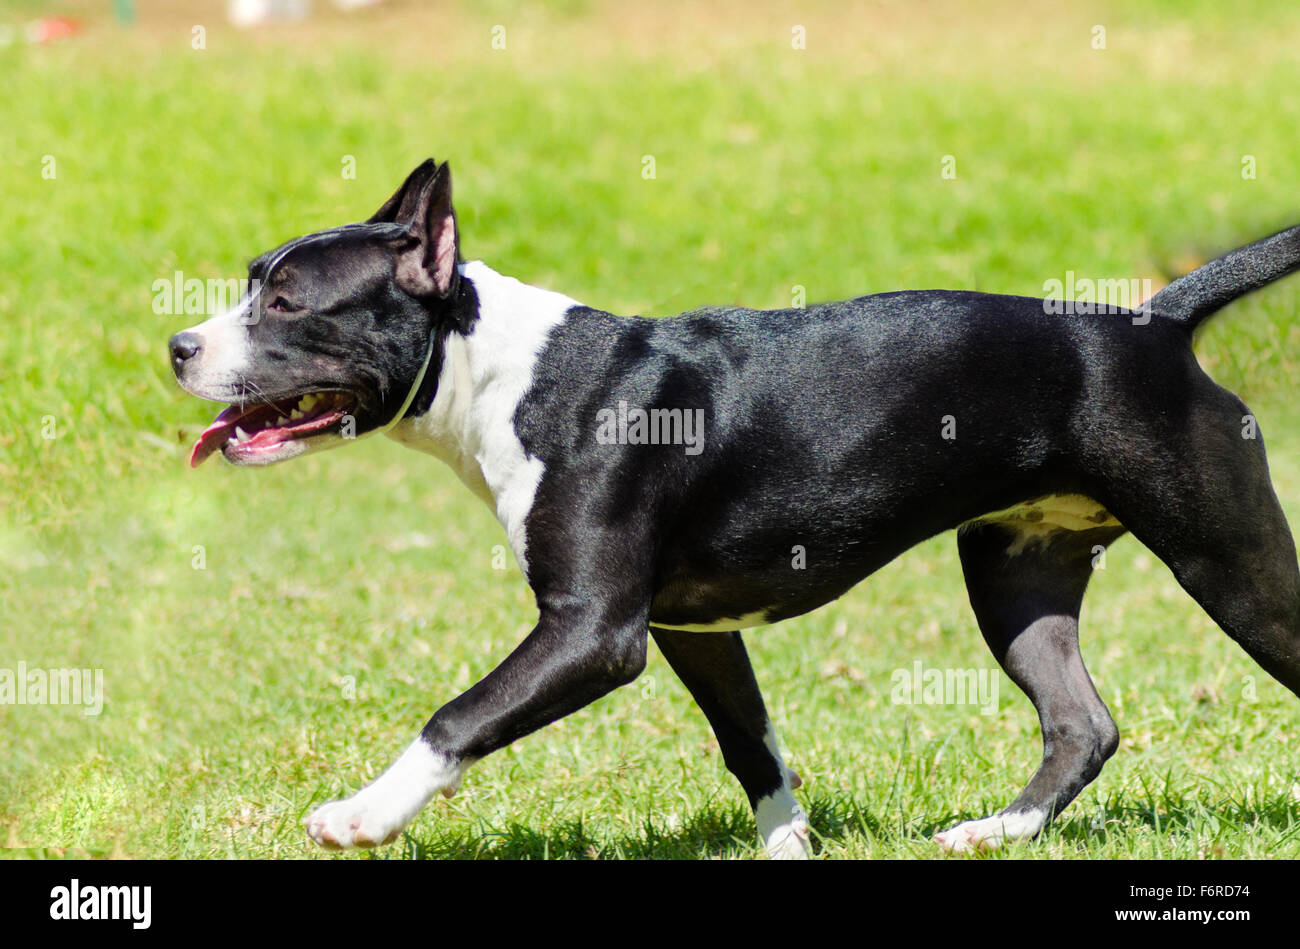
(215, 435)
(223, 428)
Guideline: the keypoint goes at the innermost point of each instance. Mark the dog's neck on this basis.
(484, 375)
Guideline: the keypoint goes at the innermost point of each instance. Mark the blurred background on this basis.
(270, 639)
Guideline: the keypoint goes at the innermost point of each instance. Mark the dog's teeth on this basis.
(281, 420)
(240, 434)
(296, 414)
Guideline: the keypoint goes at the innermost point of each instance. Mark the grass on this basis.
(344, 597)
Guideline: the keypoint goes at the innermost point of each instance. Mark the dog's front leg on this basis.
(576, 653)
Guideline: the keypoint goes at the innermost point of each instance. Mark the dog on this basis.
(686, 478)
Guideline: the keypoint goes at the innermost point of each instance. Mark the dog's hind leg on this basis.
(1219, 527)
(715, 669)
(1026, 582)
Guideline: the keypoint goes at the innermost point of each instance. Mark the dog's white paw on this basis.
(354, 822)
(783, 825)
(989, 833)
(790, 842)
(376, 815)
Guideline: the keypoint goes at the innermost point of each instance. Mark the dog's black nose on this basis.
(183, 346)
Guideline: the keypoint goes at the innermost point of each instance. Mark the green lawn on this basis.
(344, 597)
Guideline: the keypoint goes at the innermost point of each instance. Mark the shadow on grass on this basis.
(1210, 827)
(726, 831)
(719, 831)
(716, 832)
(1199, 821)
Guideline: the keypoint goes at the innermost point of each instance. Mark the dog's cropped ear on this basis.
(426, 263)
(403, 199)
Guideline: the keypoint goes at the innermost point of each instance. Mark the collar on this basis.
(415, 387)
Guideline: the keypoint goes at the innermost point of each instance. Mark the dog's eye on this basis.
(281, 305)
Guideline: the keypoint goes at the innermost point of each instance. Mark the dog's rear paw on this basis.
(354, 822)
(989, 833)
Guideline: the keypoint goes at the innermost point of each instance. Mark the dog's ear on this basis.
(403, 199)
(426, 264)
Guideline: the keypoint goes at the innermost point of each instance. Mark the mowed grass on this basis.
(342, 598)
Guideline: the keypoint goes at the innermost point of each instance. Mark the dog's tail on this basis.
(1204, 291)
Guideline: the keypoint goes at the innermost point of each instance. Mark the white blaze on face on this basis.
(225, 352)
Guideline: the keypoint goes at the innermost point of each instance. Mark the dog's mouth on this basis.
(252, 434)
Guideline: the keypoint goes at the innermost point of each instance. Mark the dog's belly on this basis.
(713, 600)
(719, 602)
(721, 625)
(708, 604)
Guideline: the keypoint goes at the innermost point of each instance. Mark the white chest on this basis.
(484, 377)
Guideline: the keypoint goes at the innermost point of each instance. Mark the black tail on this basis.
(1197, 295)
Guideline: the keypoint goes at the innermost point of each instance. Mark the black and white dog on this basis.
(656, 476)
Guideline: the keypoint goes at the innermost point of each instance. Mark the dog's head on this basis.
(335, 331)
